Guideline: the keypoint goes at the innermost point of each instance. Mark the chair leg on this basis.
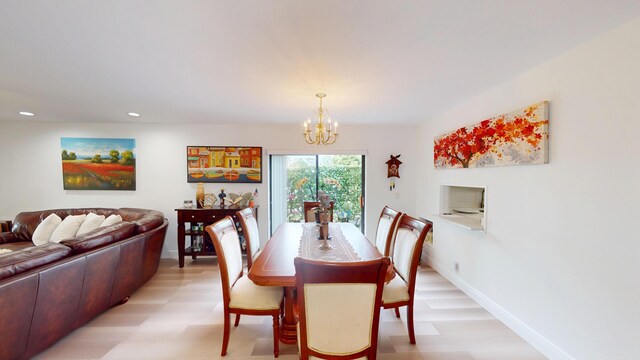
(397, 312)
(412, 335)
(237, 320)
(276, 334)
(227, 330)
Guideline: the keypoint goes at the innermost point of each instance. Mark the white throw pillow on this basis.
(68, 228)
(43, 231)
(112, 219)
(91, 222)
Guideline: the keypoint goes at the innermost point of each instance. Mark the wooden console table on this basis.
(206, 217)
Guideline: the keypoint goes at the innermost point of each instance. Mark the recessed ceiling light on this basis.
(133, 114)
(26, 113)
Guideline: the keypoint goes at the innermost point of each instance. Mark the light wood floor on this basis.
(178, 315)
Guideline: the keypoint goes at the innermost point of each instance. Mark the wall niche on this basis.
(464, 206)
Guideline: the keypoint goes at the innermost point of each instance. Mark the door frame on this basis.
(363, 153)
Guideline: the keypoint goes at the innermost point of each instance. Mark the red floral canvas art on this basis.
(98, 164)
(517, 138)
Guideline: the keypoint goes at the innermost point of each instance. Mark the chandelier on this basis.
(325, 132)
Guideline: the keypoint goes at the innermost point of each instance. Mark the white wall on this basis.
(560, 261)
(32, 172)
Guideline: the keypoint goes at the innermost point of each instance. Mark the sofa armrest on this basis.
(8, 237)
(144, 220)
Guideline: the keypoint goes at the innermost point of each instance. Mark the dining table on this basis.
(274, 266)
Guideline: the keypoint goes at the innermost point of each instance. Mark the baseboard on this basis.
(536, 340)
(170, 254)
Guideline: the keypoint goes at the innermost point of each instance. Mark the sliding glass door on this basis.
(298, 178)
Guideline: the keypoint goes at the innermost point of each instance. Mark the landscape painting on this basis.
(224, 164)
(98, 164)
(517, 138)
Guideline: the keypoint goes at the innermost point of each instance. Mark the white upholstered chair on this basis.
(339, 307)
(407, 247)
(386, 227)
(251, 235)
(240, 295)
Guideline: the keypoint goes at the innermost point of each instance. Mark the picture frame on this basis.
(98, 163)
(224, 164)
(519, 137)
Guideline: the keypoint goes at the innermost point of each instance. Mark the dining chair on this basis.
(240, 295)
(339, 307)
(251, 234)
(386, 227)
(407, 247)
(310, 215)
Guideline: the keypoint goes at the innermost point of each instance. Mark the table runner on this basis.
(341, 248)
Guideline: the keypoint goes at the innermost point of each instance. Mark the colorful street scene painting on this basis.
(224, 164)
(516, 138)
(98, 164)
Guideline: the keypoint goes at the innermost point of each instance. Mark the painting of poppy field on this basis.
(98, 164)
(516, 138)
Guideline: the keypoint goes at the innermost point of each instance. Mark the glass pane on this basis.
(301, 184)
(297, 178)
(278, 191)
(340, 176)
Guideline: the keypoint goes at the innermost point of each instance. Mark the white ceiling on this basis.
(250, 61)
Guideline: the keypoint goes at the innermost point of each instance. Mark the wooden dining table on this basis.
(274, 266)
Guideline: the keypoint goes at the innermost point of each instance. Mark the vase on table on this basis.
(200, 195)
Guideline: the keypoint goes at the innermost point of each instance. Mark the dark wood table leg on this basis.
(288, 331)
(181, 244)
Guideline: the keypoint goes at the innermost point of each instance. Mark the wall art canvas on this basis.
(98, 164)
(224, 164)
(516, 138)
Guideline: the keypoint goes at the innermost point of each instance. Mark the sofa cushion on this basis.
(68, 228)
(112, 219)
(45, 229)
(33, 257)
(25, 223)
(100, 237)
(91, 222)
(16, 246)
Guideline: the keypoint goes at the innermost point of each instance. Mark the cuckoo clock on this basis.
(393, 164)
(393, 167)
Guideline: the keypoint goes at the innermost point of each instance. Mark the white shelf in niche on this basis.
(464, 206)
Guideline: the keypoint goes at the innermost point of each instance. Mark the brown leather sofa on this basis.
(50, 290)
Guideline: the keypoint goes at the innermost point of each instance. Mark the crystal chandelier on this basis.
(325, 132)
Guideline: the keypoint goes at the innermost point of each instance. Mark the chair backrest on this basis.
(407, 247)
(224, 235)
(386, 227)
(5, 225)
(339, 305)
(251, 235)
(309, 214)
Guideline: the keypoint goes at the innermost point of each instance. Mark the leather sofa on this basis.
(50, 290)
